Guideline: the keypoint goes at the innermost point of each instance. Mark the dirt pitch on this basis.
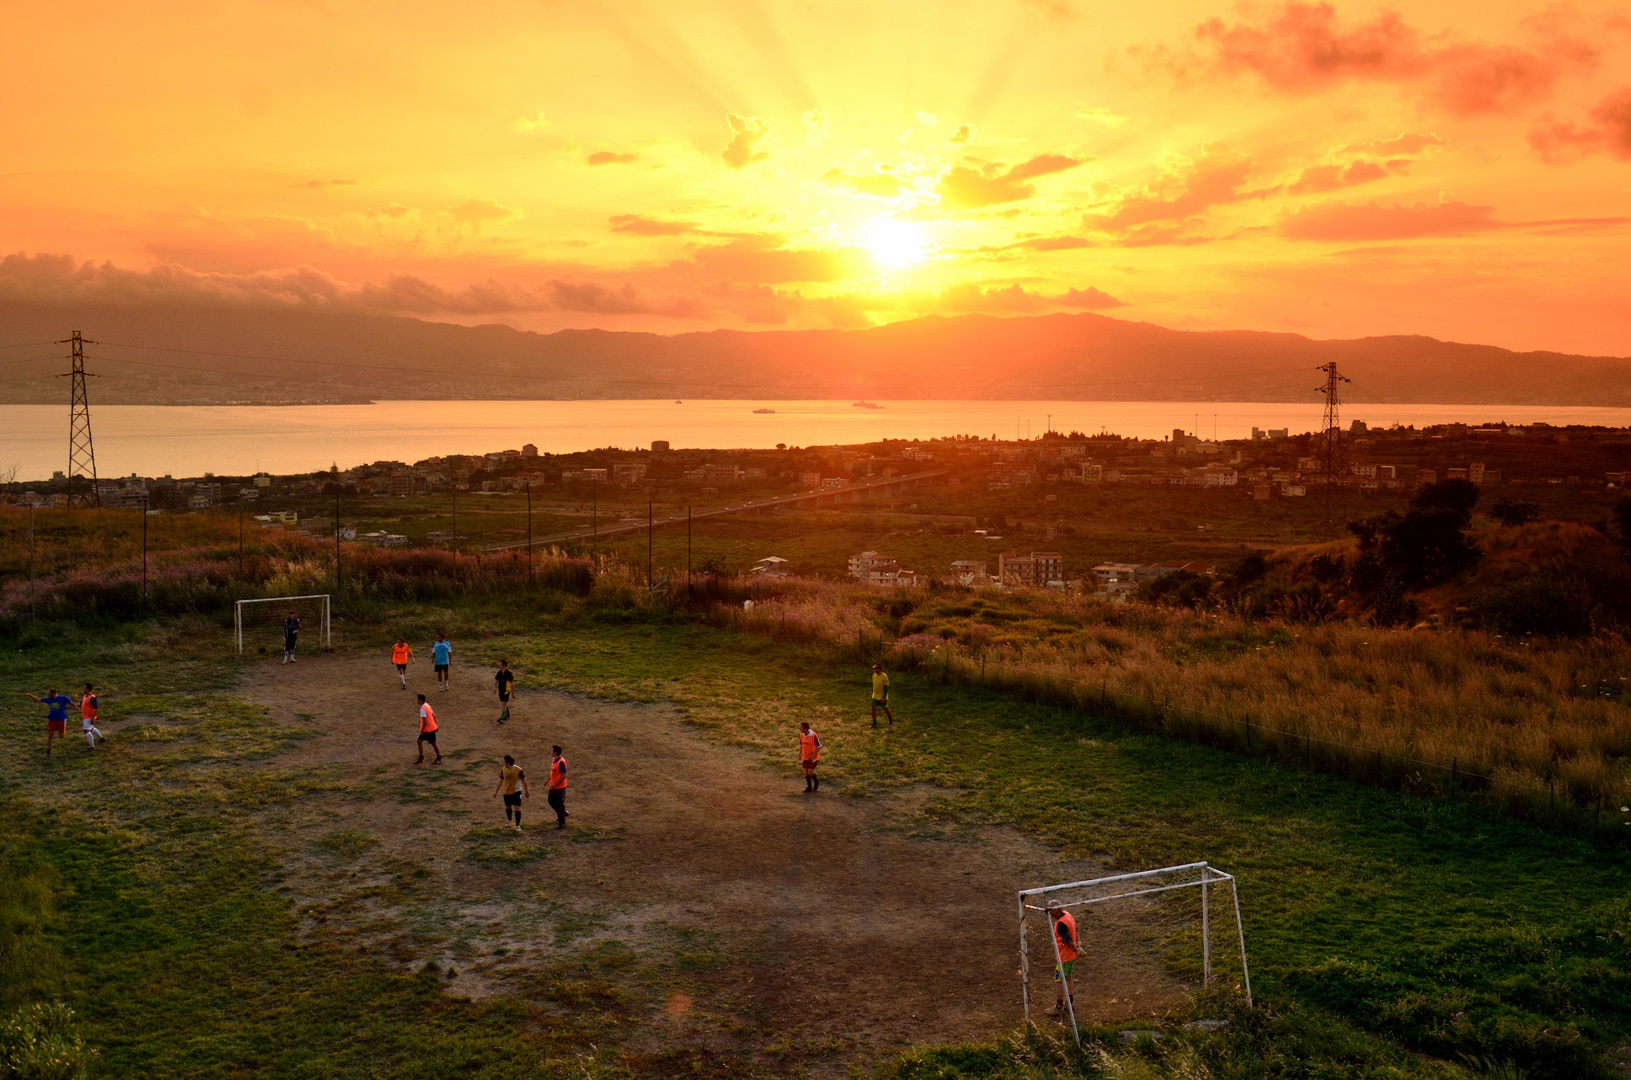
(716, 905)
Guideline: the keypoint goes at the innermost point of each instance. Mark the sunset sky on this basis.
(1456, 169)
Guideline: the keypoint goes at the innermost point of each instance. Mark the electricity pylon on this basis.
(1332, 434)
(81, 452)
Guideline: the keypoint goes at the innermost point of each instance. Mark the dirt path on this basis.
(800, 927)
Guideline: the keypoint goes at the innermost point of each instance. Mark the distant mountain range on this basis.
(220, 355)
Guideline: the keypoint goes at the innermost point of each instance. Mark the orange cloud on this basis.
(1182, 191)
(1558, 141)
(1303, 48)
(878, 184)
(1321, 178)
(1371, 221)
(746, 135)
(640, 225)
(968, 188)
(1088, 299)
(60, 279)
(764, 260)
(607, 157)
(970, 297)
(477, 212)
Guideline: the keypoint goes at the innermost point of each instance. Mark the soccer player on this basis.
(557, 787)
(441, 654)
(427, 731)
(505, 679)
(402, 656)
(512, 783)
(1064, 930)
(291, 632)
(88, 716)
(56, 717)
(880, 695)
(809, 756)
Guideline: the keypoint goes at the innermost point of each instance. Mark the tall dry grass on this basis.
(1538, 726)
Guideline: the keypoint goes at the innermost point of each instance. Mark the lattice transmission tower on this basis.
(81, 451)
(1331, 436)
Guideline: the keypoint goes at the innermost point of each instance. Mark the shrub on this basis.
(1538, 605)
(1514, 512)
(40, 1042)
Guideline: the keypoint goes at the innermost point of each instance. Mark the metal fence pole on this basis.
(1206, 926)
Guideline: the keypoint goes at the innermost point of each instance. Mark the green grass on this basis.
(1428, 925)
(1389, 936)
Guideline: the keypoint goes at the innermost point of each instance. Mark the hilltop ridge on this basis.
(217, 355)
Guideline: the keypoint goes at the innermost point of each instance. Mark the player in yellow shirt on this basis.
(880, 695)
(512, 784)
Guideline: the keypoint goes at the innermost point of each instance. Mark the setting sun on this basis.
(895, 243)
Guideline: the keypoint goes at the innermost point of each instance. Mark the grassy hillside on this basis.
(1390, 935)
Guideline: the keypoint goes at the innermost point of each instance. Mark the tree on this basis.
(1514, 512)
(1427, 543)
(1459, 496)
(1622, 518)
(1184, 588)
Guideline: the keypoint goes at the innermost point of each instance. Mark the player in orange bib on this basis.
(809, 757)
(402, 656)
(557, 787)
(427, 731)
(1064, 933)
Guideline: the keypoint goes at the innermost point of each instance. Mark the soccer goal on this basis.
(1135, 932)
(260, 622)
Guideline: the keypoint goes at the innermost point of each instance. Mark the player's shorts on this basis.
(810, 763)
(441, 669)
(289, 643)
(513, 799)
(1066, 966)
(503, 697)
(428, 736)
(56, 725)
(880, 703)
(402, 668)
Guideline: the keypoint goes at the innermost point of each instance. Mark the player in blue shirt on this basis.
(441, 655)
(56, 720)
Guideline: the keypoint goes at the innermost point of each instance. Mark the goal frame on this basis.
(238, 615)
(1141, 883)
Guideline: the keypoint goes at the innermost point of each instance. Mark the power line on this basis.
(81, 451)
(1333, 429)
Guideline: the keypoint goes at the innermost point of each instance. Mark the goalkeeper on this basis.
(1064, 934)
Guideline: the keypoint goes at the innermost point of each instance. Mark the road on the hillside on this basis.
(600, 532)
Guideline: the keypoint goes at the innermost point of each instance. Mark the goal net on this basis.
(1143, 941)
(258, 624)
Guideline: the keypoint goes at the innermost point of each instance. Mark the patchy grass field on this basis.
(251, 880)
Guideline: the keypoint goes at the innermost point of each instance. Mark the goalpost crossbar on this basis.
(1125, 887)
(238, 614)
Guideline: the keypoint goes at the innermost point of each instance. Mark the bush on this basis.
(40, 1042)
(1185, 588)
(1514, 512)
(1538, 605)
